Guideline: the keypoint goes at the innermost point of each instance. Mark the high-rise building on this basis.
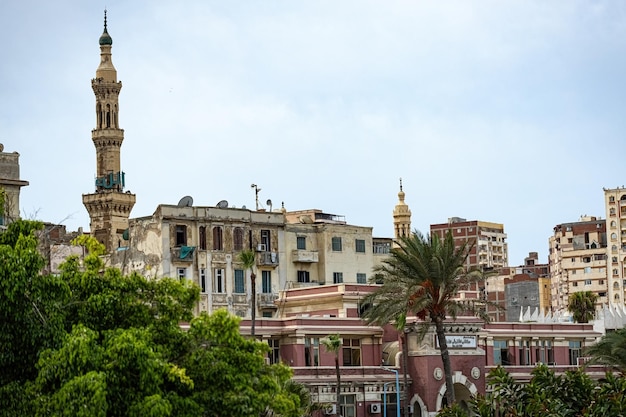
(615, 203)
(109, 206)
(489, 247)
(577, 261)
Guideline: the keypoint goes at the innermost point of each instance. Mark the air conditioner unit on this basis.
(330, 410)
(376, 408)
(261, 247)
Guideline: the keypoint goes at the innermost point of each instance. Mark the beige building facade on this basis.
(577, 261)
(615, 203)
(202, 245)
(10, 186)
(324, 249)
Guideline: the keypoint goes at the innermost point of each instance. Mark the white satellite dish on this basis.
(186, 201)
(222, 204)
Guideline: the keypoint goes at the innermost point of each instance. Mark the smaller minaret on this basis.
(401, 217)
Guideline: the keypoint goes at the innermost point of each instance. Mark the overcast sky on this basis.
(511, 112)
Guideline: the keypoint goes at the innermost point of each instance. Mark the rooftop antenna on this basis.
(256, 194)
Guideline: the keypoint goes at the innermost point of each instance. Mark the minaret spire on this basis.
(109, 207)
(401, 217)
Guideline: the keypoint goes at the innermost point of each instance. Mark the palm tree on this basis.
(582, 305)
(422, 276)
(610, 350)
(247, 258)
(332, 344)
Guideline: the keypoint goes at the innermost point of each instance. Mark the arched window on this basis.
(238, 238)
(218, 243)
(108, 116)
(202, 237)
(613, 224)
(616, 285)
(611, 199)
(613, 236)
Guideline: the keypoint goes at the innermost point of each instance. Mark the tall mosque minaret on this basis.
(401, 217)
(109, 206)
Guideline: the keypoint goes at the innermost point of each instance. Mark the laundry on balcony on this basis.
(186, 251)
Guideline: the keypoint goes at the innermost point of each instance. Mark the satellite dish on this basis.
(186, 201)
(222, 204)
(244, 207)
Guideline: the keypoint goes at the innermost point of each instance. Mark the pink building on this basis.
(371, 356)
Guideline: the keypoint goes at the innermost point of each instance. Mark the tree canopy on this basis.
(92, 342)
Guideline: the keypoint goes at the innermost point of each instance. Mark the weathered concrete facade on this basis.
(10, 184)
(615, 203)
(202, 244)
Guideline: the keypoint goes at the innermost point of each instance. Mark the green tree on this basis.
(610, 350)
(332, 343)
(423, 276)
(230, 374)
(247, 258)
(582, 305)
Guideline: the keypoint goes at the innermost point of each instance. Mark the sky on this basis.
(509, 112)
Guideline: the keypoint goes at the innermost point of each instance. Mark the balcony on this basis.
(182, 253)
(266, 300)
(307, 256)
(267, 258)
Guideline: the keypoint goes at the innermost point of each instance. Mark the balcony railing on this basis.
(266, 300)
(267, 258)
(305, 256)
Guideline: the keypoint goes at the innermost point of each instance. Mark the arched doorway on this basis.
(464, 389)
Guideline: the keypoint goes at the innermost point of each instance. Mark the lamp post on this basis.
(395, 371)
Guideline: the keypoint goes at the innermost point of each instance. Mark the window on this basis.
(587, 282)
(524, 352)
(301, 243)
(181, 235)
(574, 284)
(347, 403)
(267, 314)
(311, 351)
(218, 243)
(381, 247)
(611, 199)
(613, 224)
(575, 349)
(240, 287)
(361, 278)
(359, 245)
(573, 272)
(614, 259)
(219, 286)
(266, 280)
(303, 276)
(336, 244)
(351, 352)
(265, 239)
(501, 352)
(274, 353)
(587, 270)
(613, 236)
(238, 239)
(203, 280)
(202, 237)
(182, 273)
(337, 277)
(544, 352)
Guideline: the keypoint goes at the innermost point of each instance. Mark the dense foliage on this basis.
(91, 342)
(572, 394)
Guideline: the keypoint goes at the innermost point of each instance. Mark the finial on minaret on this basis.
(105, 19)
(400, 183)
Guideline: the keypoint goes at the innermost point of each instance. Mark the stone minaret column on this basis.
(401, 216)
(109, 207)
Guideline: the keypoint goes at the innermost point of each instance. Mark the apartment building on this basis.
(615, 203)
(577, 261)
